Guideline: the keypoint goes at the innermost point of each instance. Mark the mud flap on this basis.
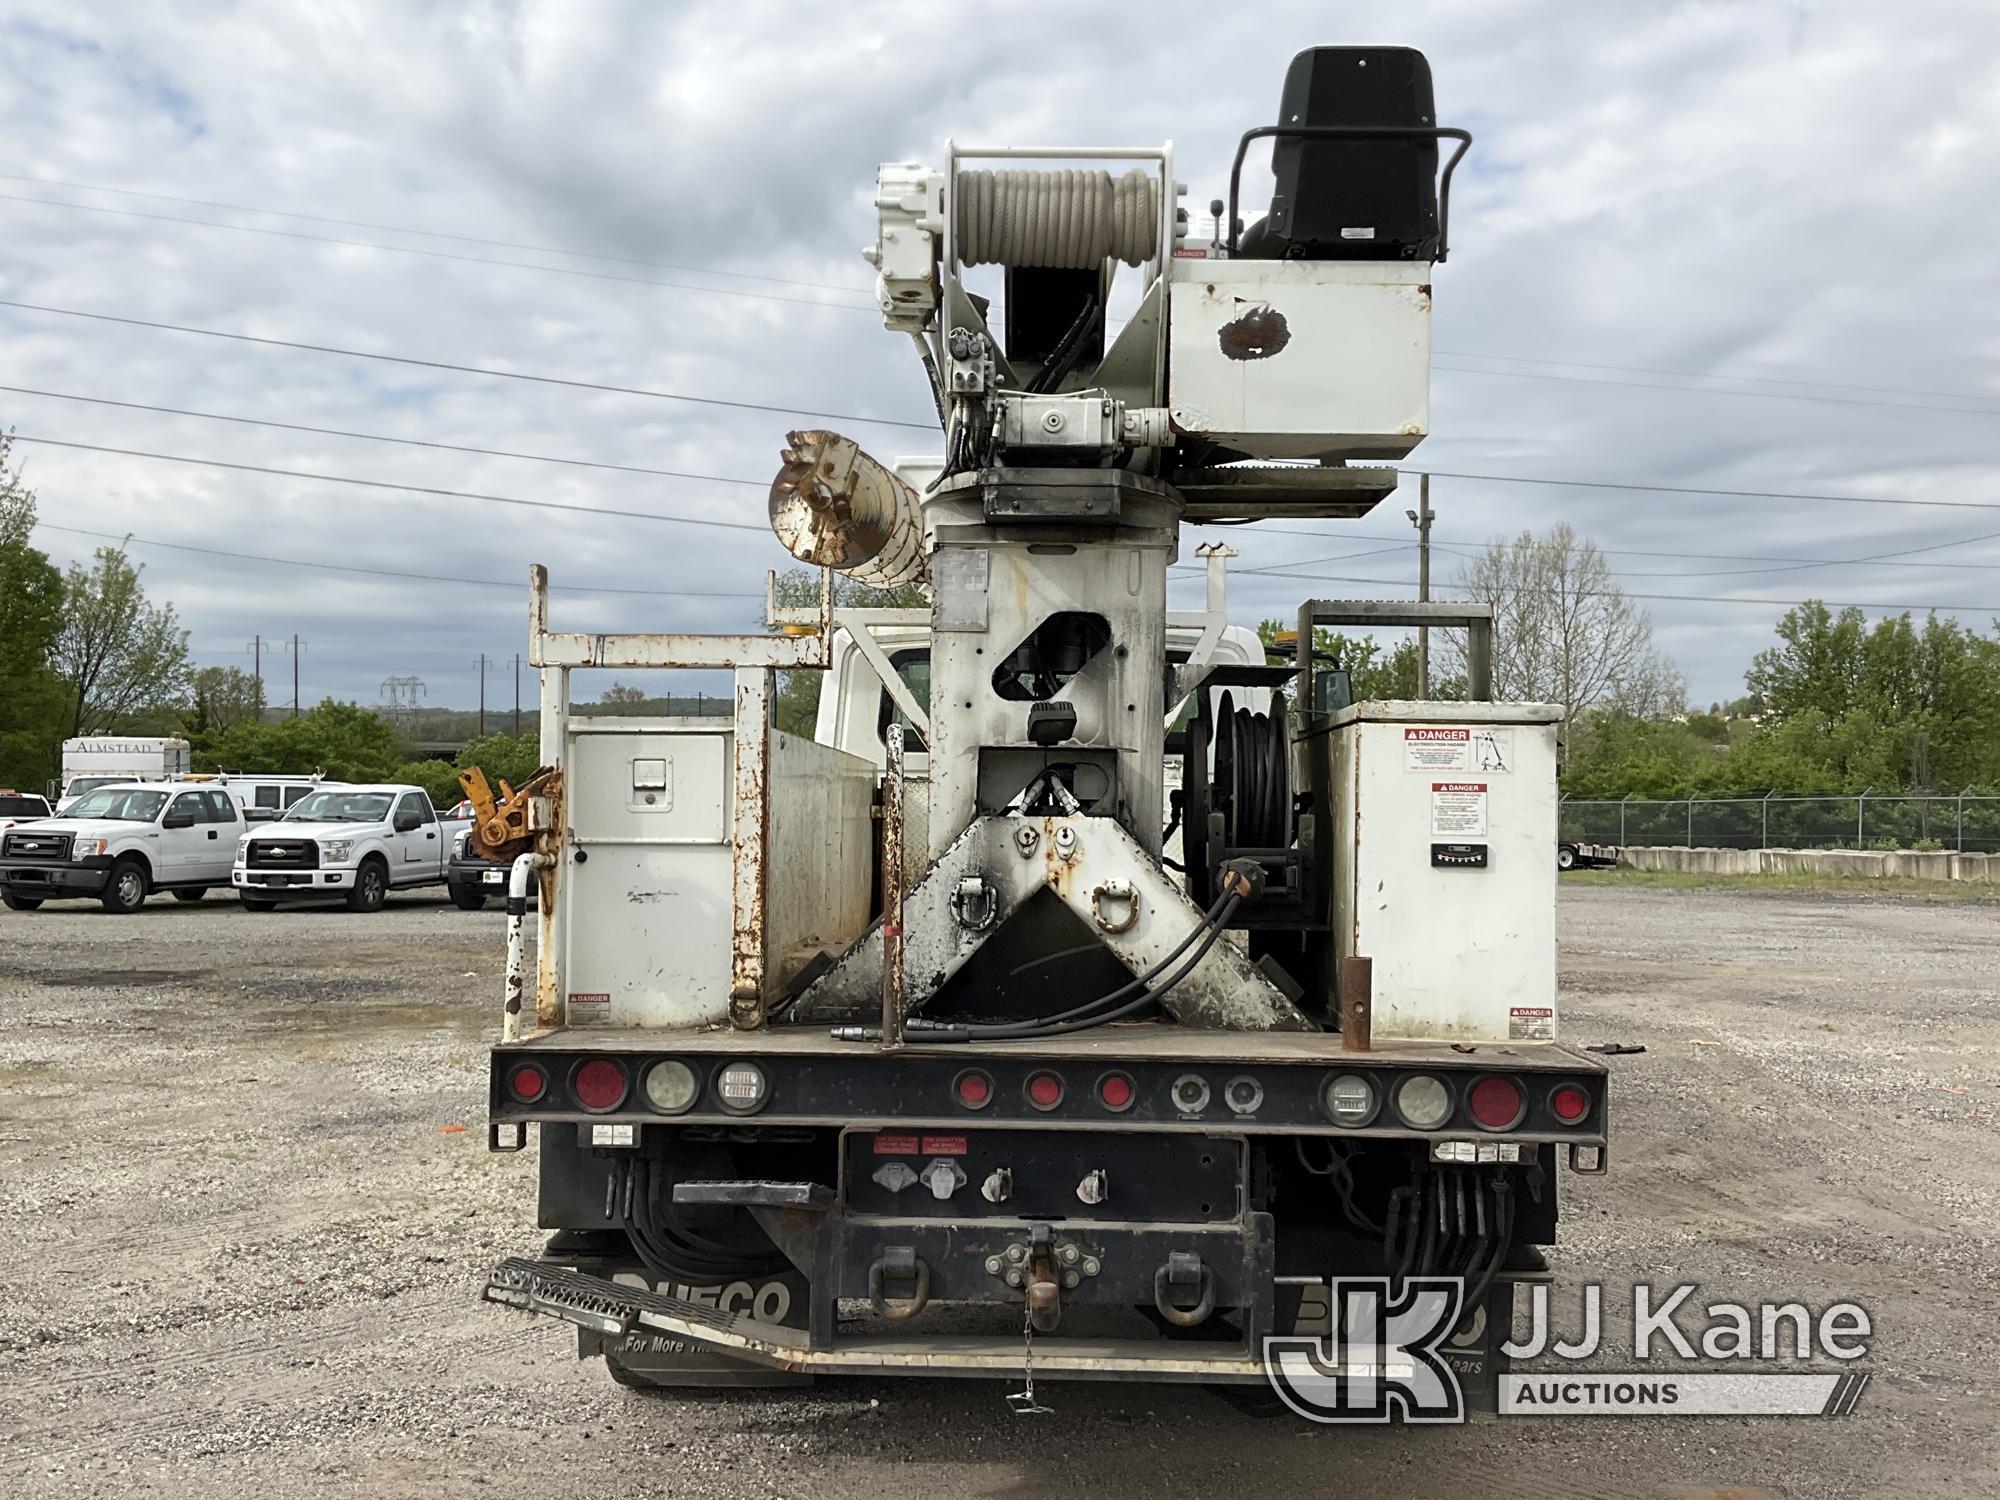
(645, 1357)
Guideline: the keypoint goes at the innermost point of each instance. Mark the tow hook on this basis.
(1181, 1272)
(1044, 1282)
(899, 1263)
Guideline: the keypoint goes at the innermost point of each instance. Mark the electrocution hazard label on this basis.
(1531, 1023)
(1431, 747)
(1458, 809)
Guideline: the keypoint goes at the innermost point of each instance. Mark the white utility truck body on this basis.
(970, 1016)
(95, 760)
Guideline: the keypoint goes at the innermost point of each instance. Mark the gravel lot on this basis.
(245, 1232)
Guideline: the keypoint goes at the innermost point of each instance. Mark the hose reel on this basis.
(1248, 793)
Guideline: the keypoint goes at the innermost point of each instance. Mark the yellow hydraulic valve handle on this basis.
(500, 825)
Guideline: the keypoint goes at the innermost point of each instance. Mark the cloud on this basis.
(1795, 192)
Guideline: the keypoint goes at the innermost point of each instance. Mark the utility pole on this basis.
(1421, 519)
(295, 676)
(517, 695)
(257, 664)
(482, 695)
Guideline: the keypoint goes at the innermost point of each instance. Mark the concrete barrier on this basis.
(1858, 864)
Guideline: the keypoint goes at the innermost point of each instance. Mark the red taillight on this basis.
(527, 1083)
(600, 1084)
(1496, 1103)
(1569, 1104)
(973, 1090)
(1114, 1091)
(1045, 1091)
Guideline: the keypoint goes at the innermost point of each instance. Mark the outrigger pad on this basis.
(1100, 872)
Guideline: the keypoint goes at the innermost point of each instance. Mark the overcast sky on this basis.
(1789, 202)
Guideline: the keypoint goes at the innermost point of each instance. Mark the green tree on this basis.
(797, 708)
(513, 758)
(621, 698)
(1377, 674)
(31, 699)
(117, 655)
(224, 696)
(345, 741)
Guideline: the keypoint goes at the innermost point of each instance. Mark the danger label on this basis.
(590, 1010)
(1429, 747)
(1532, 1023)
(1458, 809)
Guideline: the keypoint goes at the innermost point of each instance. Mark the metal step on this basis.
(591, 1302)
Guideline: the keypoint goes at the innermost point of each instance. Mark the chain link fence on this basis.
(1965, 823)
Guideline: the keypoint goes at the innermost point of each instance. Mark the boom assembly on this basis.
(1091, 988)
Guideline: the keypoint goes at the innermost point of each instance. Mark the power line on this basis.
(435, 234)
(379, 437)
(299, 562)
(857, 289)
(1400, 583)
(1703, 390)
(439, 364)
(382, 484)
(477, 260)
(1689, 489)
(1825, 385)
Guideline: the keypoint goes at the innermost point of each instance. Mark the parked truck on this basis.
(97, 760)
(120, 844)
(921, 1047)
(354, 844)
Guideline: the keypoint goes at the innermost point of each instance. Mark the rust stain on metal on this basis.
(500, 824)
(1357, 1004)
(892, 890)
(833, 506)
(1257, 334)
(749, 845)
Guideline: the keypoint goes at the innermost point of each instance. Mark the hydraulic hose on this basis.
(1126, 991)
(1036, 1030)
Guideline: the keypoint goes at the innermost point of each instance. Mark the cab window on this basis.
(190, 805)
(221, 809)
(914, 667)
(417, 805)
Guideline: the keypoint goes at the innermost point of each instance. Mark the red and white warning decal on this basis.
(590, 1010)
(1436, 747)
(1458, 809)
(1531, 1023)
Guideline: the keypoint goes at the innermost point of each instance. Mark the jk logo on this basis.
(1379, 1362)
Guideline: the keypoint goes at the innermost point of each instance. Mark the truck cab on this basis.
(120, 844)
(354, 844)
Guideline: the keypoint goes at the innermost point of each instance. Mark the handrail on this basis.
(1360, 133)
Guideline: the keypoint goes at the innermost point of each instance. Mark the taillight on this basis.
(671, 1087)
(1045, 1091)
(742, 1088)
(1115, 1092)
(1569, 1104)
(1349, 1099)
(1497, 1103)
(599, 1084)
(1423, 1101)
(973, 1089)
(527, 1083)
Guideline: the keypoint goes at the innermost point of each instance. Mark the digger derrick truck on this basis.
(908, 1049)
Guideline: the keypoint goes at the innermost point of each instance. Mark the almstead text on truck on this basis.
(1088, 990)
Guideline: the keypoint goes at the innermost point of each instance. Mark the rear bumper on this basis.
(50, 879)
(479, 875)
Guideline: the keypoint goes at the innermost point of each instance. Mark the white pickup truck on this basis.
(355, 843)
(120, 844)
